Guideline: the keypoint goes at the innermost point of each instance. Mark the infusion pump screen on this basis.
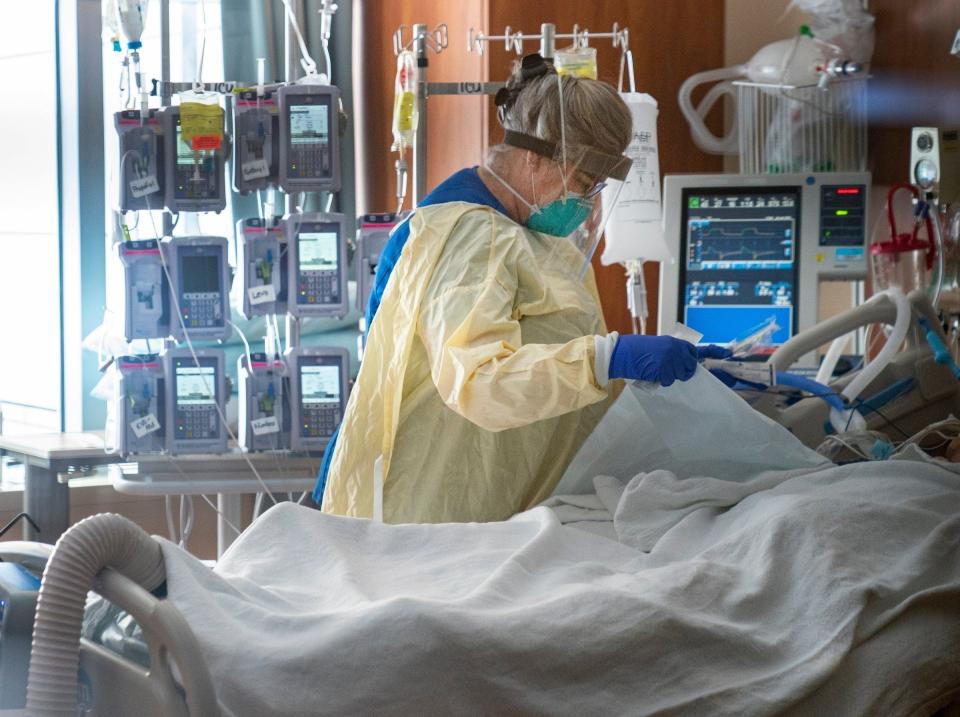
(195, 413)
(201, 274)
(739, 269)
(309, 124)
(318, 251)
(196, 386)
(320, 384)
(320, 381)
(196, 174)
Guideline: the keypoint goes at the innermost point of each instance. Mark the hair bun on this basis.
(531, 67)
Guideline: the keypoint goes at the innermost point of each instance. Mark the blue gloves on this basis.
(661, 359)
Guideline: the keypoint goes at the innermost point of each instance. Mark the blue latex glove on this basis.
(661, 359)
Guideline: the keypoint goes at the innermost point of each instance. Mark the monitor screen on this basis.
(196, 386)
(310, 124)
(201, 274)
(319, 384)
(185, 156)
(317, 250)
(739, 261)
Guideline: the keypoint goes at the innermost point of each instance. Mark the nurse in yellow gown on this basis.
(488, 362)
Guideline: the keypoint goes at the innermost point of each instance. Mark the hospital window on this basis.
(30, 386)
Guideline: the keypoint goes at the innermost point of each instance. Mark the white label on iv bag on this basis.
(144, 425)
(634, 230)
(262, 294)
(265, 426)
(143, 186)
(255, 169)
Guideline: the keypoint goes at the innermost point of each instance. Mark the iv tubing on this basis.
(934, 214)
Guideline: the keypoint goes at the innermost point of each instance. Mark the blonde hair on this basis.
(594, 114)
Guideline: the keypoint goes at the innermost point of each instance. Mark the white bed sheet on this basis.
(834, 588)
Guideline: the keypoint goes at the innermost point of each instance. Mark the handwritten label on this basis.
(265, 426)
(144, 425)
(262, 294)
(144, 186)
(255, 169)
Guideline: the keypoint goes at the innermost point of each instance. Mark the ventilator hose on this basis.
(890, 348)
(97, 542)
(702, 136)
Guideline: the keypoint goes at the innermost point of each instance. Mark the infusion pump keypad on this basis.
(201, 309)
(320, 422)
(197, 422)
(319, 287)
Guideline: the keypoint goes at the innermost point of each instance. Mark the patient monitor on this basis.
(752, 249)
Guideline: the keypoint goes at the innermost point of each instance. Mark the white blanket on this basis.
(832, 591)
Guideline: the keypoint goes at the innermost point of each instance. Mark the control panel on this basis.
(195, 398)
(317, 254)
(318, 395)
(194, 178)
(309, 138)
(200, 275)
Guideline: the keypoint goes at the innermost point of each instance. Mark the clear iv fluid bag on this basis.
(634, 230)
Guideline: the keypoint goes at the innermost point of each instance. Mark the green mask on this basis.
(561, 217)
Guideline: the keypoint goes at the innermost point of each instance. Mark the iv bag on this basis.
(634, 230)
(405, 116)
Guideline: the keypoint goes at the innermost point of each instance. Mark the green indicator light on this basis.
(694, 203)
(842, 212)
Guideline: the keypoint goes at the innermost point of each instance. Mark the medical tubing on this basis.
(890, 348)
(934, 215)
(95, 543)
(811, 386)
(309, 66)
(701, 135)
(831, 359)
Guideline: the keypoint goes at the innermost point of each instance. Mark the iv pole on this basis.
(423, 41)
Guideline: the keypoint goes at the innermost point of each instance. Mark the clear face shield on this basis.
(591, 181)
(574, 222)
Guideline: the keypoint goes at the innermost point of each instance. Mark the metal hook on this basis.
(440, 37)
(398, 40)
(475, 41)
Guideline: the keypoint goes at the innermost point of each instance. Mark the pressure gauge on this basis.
(925, 173)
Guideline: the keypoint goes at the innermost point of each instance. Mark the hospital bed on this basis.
(912, 654)
(117, 560)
